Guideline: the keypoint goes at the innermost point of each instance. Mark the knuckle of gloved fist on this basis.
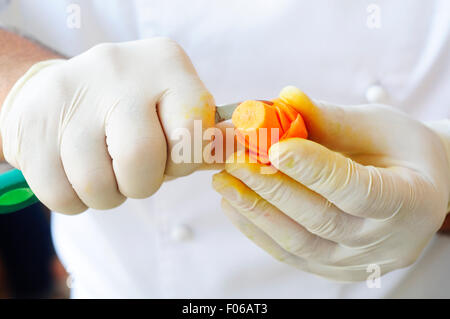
(112, 202)
(142, 153)
(159, 48)
(142, 190)
(166, 45)
(141, 184)
(104, 59)
(180, 169)
(103, 50)
(98, 193)
(67, 204)
(169, 54)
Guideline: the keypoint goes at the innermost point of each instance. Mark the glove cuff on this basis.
(35, 68)
(442, 129)
(14, 92)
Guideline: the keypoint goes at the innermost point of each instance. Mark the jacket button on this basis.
(376, 94)
(181, 233)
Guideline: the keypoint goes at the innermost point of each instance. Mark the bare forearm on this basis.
(17, 55)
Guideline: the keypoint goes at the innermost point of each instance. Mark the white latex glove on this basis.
(371, 187)
(91, 131)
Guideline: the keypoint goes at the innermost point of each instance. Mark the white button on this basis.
(181, 233)
(376, 94)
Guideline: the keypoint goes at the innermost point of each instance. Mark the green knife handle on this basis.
(15, 194)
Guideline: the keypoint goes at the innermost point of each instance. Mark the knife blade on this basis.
(224, 112)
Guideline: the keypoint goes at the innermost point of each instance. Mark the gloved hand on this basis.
(371, 186)
(91, 131)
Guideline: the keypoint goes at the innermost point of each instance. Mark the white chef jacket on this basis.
(178, 243)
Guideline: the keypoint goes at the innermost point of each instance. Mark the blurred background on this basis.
(29, 267)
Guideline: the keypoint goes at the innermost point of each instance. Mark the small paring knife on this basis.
(15, 194)
(225, 112)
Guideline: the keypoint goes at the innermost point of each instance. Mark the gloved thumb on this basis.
(341, 128)
(353, 187)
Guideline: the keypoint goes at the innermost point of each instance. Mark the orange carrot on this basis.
(278, 119)
(297, 129)
(288, 110)
(251, 115)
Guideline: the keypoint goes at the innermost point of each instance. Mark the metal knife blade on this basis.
(224, 112)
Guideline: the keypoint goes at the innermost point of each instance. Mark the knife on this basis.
(15, 194)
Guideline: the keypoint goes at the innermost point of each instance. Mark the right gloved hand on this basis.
(91, 131)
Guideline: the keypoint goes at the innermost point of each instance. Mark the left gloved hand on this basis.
(371, 186)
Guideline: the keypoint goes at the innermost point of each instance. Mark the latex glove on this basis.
(92, 130)
(370, 187)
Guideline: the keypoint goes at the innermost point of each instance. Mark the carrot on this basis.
(285, 121)
(297, 129)
(252, 116)
(288, 110)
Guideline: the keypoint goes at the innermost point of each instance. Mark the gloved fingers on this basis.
(44, 173)
(260, 238)
(286, 232)
(351, 129)
(47, 179)
(26, 132)
(88, 165)
(340, 273)
(364, 191)
(185, 113)
(222, 146)
(137, 145)
(186, 109)
(318, 215)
